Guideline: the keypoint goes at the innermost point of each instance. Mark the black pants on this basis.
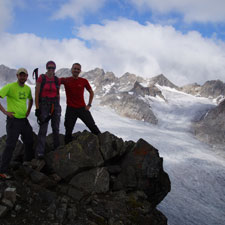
(55, 121)
(71, 117)
(15, 127)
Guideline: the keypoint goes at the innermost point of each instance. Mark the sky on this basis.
(184, 40)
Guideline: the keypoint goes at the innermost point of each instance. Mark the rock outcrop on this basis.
(214, 89)
(211, 127)
(105, 180)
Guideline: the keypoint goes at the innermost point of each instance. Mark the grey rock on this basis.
(110, 145)
(210, 128)
(193, 89)
(7, 75)
(78, 155)
(213, 89)
(128, 105)
(3, 211)
(7, 203)
(140, 167)
(92, 181)
(10, 194)
(162, 81)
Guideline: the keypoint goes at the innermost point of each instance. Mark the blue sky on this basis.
(184, 40)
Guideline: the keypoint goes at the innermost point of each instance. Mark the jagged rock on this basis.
(128, 105)
(76, 156)
(140, 168)
(92, 181)
(3, 211)
(38, 177)
(49, 146)
(211, 126)
(106, 181)
(7, 203)
(193, 89)
(127, 81)
(213, 89)
(112, 146)
(10, 194)
(162, 81)
(7, 75)
(63, 72)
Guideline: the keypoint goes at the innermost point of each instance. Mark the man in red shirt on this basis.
(76, 106)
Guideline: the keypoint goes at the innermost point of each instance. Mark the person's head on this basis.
(50, 67)
(76, 69)
(22, 75)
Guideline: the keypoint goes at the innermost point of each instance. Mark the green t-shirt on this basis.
(16, 98)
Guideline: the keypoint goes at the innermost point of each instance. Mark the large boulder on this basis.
(76, 156)
(142, 169)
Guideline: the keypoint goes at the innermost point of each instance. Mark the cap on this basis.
(21, 70)
(50, 62)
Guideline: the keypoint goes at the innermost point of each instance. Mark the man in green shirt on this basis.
(17, 94)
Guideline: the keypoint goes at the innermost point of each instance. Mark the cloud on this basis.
(6, 14)
(123, 46)
(148, 50)
(192, 10)
(76, 9)
(30, 51)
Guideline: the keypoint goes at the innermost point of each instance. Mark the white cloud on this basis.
(192, 10)
(6, 13)
(76, 9)
(123, 46)
(30, 51)
(149, 50)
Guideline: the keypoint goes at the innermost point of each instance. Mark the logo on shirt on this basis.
(22, 95)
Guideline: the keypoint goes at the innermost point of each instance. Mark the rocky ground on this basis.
(104, 180)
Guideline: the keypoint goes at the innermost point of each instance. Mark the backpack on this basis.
(56, 80)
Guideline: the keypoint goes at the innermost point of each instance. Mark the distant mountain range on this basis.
(131, 96)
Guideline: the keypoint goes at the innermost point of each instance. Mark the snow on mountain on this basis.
(195, 169)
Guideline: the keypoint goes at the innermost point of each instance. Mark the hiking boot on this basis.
(5, 176)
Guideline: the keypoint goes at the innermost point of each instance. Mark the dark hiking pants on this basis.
(70, 120)
(14, 128)
(55, 121)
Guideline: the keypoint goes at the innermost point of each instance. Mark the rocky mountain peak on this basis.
(213, 89)
(162, 81)
(7, 75)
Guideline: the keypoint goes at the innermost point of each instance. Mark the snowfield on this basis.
(197, 171)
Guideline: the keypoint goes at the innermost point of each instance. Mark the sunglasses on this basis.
(51, 68)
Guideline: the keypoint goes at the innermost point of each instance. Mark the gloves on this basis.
(37, 113)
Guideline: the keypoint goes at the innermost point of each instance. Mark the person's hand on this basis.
(87, 107)
(27, 114)
(9, 114)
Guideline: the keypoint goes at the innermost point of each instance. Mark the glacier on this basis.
(196, 170)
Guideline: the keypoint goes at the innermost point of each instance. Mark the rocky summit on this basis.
(94, 180)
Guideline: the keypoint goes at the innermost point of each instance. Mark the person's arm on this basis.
(9, 114)
(30, 103)
(37, 92)
(91, 96)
